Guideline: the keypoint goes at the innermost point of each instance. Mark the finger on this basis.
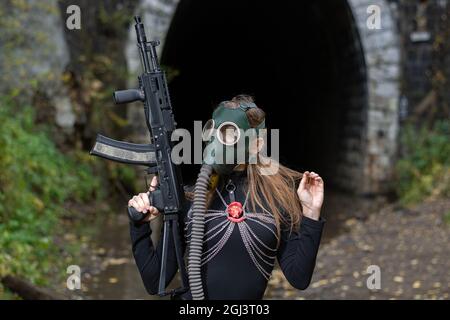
(132, 203)
(141, 204)
(135, 202)
(154, 211)
(308, 179)
(314, 175)
(153, 184)
(303, 181)
(136, 206)
(144, 197)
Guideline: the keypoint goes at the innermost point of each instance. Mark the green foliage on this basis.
(424, 169)
(36, 181)
(125, 174)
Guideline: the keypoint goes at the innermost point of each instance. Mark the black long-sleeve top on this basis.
(238, 256)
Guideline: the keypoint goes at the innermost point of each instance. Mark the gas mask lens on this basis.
(228, 133)
(208, 130)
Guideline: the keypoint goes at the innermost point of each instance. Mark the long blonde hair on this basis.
(276, 193)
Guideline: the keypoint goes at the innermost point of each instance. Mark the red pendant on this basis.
(235, 212)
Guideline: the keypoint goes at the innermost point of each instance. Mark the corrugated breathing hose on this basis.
(198, 231)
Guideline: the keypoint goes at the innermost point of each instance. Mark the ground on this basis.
(411, 247)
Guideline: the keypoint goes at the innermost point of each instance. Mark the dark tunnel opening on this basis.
(300, 60)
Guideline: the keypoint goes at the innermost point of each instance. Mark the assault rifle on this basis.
(168, 198)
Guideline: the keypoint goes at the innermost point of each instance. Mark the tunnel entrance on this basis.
(302, 61)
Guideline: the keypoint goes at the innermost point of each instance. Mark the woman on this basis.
(253, 218)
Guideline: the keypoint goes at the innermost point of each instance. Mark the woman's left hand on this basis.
(310, 193)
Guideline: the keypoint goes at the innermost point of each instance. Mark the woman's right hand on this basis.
(141, 202)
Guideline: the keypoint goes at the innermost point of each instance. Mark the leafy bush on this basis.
(424, 169)
(36, 180)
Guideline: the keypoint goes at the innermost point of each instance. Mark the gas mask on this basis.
(227, 136)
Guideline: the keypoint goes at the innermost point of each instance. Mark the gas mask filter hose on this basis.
(198, 232)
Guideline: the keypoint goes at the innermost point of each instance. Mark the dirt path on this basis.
(411, 247)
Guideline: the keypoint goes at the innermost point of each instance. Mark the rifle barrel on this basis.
(142, 44)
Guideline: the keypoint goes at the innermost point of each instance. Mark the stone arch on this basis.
(316, 68)
(382, 55)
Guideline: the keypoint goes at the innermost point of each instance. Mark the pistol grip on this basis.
(135, 215)
(155, 201)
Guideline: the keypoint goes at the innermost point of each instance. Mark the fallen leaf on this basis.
(113, 280)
